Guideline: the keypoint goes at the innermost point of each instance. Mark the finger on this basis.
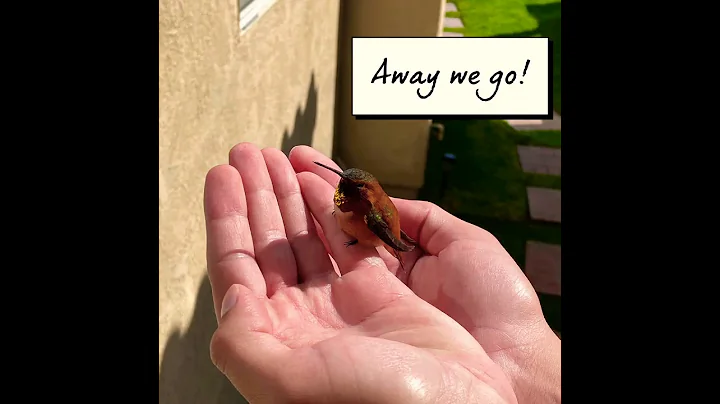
(310, 255)
(319, 196)
(364, 293)
(243, 347)
(272, 249)
(321, 235)
(434, 228)
(302, 159)
(393, 264)
(230, 252)
(335, 266)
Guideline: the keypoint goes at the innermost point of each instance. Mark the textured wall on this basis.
(274, 86)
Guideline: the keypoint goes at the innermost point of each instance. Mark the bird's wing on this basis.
(378, 225)
(406, 237)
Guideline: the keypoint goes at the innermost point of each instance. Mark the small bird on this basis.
(366, 213)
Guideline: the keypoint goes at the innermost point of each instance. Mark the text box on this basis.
(497, 78)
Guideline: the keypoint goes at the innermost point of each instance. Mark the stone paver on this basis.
(542, 267)
(453, 34)
(536, 124)
(453, 22)
(450, 7)
(540, 160)
(544, 204)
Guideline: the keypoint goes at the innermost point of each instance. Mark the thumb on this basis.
(434, 228)
(243, 347)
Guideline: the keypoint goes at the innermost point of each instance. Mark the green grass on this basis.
(514, 18)
(487, 180)
(547, 138)
(542, 181)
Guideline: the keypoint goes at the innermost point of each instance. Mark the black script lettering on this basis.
(416, 78)
(496, 79)
(384, 76)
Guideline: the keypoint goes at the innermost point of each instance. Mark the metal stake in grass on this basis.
(448, 162)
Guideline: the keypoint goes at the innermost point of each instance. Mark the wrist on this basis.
(536, 375)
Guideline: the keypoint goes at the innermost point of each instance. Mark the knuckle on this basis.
(429, 206)
(488, 236)
(218, 351)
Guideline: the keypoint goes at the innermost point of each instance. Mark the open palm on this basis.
(465, 272)
(360, 338)
(292, 329)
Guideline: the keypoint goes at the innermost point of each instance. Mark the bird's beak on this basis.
(338, 172)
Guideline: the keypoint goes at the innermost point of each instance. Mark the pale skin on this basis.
(465, 326)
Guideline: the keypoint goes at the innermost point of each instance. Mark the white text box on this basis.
(447, 76)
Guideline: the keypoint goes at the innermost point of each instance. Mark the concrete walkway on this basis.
(542, 261)
(543, 267)
(536, 124)
(452, 22)
(544, 204)
(539, 160)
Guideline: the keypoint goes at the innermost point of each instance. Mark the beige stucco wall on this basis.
(274, 86)
(394, 151)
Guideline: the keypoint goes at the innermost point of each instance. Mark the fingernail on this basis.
(229, 300)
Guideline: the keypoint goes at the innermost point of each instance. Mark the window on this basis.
(251, 11)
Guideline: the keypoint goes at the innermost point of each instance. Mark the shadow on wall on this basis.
(304, 128)
(187, 375)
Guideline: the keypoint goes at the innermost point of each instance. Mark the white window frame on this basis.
(252, 13)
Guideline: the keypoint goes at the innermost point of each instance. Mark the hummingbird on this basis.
(366, 213)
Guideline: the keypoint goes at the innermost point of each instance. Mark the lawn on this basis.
(514, 18)
(487, 179)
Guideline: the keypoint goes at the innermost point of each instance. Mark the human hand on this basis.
(464, 271)
(291, 330)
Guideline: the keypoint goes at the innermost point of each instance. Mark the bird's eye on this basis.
(360, 185)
